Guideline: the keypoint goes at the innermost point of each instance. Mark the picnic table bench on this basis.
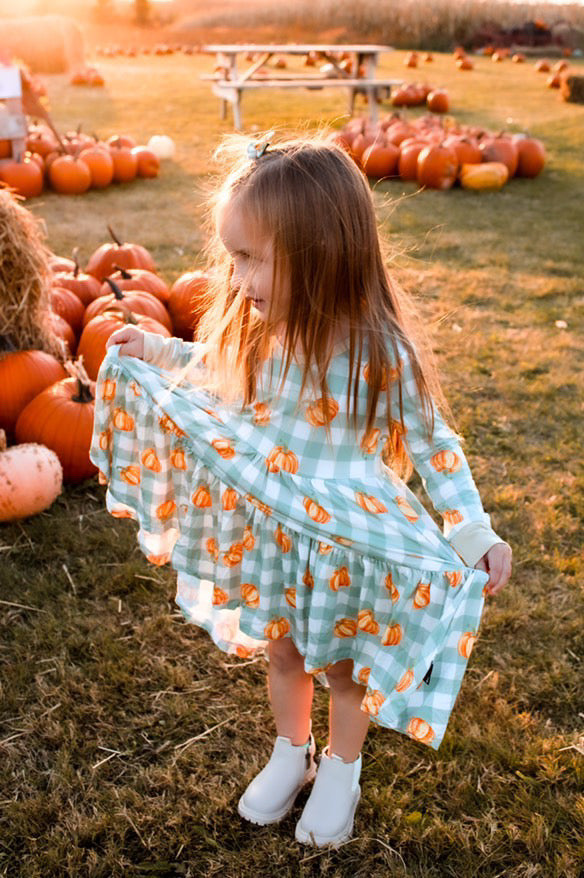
(229, 85)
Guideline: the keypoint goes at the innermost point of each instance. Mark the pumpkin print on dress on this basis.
(202, 497)
(324, 549)
(406, 681)
(212, 548)
(290, 595)
(159, 560)
(320, 413)
(370, 440)
(370, 503)
(109, 389)
(373, 701)
(105, 439)
(343, 541)
(229, 499)
(282, 540)
(150, 460)
(219, 596)
(135, 389)
(308, 579)
(363, 676)
(261, 414)
(277, 628)
(178, 459)
(281, 459)
(446, 462)
(393, 374)
(421, 595)
(393, 592)
(454, 578)
(420, 730)
(406, 509)
(316, 512)
(250, 594)
(122, 420)
(243, 652)
(248, 538)
(130, 475)
(234, 555)
(466, 643)
(167, 425)
(165, 510)
(340, 579)
(101, 478)
(452, 516)
(224, 448)
(263, 507)
(122, 513)
(366, 622)
(392, 635)
(345, 628)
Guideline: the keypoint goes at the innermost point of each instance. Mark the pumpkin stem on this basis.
(77, 370)
(114, 236)
(76, 261)
(125, 274)
(116, 290)
(2, 441)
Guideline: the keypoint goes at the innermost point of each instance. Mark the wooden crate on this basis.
(13, 125)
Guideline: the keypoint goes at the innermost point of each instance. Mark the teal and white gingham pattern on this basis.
(274, 532)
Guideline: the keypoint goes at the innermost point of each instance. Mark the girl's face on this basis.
(252, 254)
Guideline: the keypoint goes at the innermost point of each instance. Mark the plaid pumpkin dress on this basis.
(274, 532)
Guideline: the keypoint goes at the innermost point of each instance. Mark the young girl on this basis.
(266, 461)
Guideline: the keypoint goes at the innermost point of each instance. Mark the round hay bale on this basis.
(46, 43)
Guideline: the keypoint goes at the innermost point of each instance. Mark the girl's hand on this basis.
(131, 340)
(497, 563)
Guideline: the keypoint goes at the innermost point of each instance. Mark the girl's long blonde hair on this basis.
(310, 198)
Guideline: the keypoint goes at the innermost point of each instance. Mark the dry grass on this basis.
(102, 682)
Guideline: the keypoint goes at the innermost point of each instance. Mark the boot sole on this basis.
(266, 819)
(304, 837)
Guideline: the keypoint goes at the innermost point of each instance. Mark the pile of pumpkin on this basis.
(77, 163)
(87, 76)
(50, 311)
(437, 156)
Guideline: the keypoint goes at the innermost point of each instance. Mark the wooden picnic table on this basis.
(229, 81)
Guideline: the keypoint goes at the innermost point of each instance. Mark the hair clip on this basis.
(255, 150)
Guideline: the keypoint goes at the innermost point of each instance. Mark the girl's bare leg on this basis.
(348, 724)
(290, 690)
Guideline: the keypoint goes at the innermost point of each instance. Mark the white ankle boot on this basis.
(272, 792)
(330, 810)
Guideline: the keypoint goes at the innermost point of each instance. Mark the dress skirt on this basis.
(349, 568)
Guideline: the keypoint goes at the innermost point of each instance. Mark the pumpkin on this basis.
(454, 578)
(466, 643)
(290, 595)
(340, 579)
(95, 335)
(488, 175)
(224, 448)
(41, 142)
(464, 64)
(320, 412)
(518, 58)
(370, 440)
(421, 596)
(62, 330)
(150, 460)
(202, 497)
(148, 163)
(137, 279)
(162, 146)
(119, 140)
(277, 628)
(316, 512)
(61, 264)
(361, 142)
(421, 730)
(125, 162)
(262, 414)
(411, 59)
(248, 538)
(437, 166)
(437, 101)
(281, 459)
(229, 499)
(66, 304)
(61, 417)
(380, 160)
(282, 540)
(220, 596)
(25, 177)
(500, 149)
(250, 594)
(308, 579)
(138, 301)
(531, 156)
(23, 375)
(408, 511)
(452, 516)
(466, 149)
(428, 58)
(345, 628)
(109, 256)
(212, 548)
(366, 622)
(446, 462)
(85, 286)
(31, 479)
(542, 66)
(186, 302)
(373, 701)
(69, 175)
(370, 503)
(393, 592)
(392, 635)
(407, 166)
(100, 164)
(405, 681)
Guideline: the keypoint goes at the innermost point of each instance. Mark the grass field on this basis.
(126, 737)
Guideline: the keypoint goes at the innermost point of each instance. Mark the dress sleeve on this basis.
(168, 353)
(445, 474)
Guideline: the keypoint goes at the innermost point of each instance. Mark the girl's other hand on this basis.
(497, 563)
(131, 340)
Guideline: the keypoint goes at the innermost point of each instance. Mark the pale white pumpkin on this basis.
(31, 478)
(162, 145)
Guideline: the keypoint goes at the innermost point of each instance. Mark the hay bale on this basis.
(572, 88)
(46, 43)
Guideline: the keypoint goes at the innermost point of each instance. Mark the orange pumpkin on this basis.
(393, 592)
(340, 579)
(248, 538)
(421, 730)
(229, 499)
(165, 510)
(125, 162)
(159, 560)
(187, 301)
(542, 66)
(392, 635)
(95, 335)
(85, 287)
(168, 425)
(363, 676)
(25, 177)
(234, 555)
(147, 162)
(23, 375)
(130, 475)
(437, 166)
(178, 459)
(466, 643)
(290, 595)
(105, 439)
(108, 257)
(500, 149)
(150, 460)
(405, 681)
(308, 579)
(531, 156)
(324, 549)
(316, 512)
(138, 301)
(452, 516)
(438, 101)
(202, 497)
(100, 164)
(370, 440)
(261, 414)
(263, 507)
(373, 701)
(366, 622)
(138, 279)
(370, 503)
(380, 159)
(122, 420)
(277, 628)
(250, 594)
(345, 628)
(108, 390)
(212, 548)
(320, 412)
(69, 175)
(224, 448)
(454, 578)
(66, 304)
(120, 512)
(279, 458)
(282, 539)
(446, 462)
(421, 596)
(219, 596)
(407, 165)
